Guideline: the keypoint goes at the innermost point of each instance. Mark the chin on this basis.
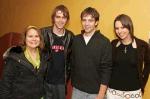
(58, 27)
(121, 37)
(87, 30)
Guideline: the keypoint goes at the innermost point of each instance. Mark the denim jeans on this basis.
(78, 94)
(55, 91)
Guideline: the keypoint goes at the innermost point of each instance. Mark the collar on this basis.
(134, 45)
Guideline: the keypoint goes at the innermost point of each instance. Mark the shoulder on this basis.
(45, 31)
(102, 38)
(114, 42)
(141, 44)
(46, 28)
(69, 32)
(140, 41)
(77, 36)
(13, 51)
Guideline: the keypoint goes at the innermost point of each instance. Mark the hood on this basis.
(15, 50)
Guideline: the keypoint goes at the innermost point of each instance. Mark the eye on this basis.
(116, 28)
(91, 20)
(29, 36)
(64, 17)
(122, 27)
(36, 36)
(83, 20)
(57, 16)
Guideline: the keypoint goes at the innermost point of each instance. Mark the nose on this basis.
(86, 23)
(34, 38)
(119, 30)
(61, 18)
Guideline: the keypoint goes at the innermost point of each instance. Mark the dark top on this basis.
(47, 33)
(125, 74)
(56, 72)
(91, 63)
(143, 58)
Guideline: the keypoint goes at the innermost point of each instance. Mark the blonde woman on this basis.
(24, 68)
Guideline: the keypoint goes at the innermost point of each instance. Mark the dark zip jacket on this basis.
(20, 80)
(49, 39)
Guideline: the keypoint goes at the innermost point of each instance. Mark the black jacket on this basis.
(143, 58)
(20, 80)
(48, 40)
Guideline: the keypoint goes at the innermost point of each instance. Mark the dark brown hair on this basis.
(61, 8)
(126, 23)
(90, 11)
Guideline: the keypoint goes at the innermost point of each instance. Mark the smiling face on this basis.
(121, 31)
(88, 23)
(123, 28)
(32, 39)
(60, 20)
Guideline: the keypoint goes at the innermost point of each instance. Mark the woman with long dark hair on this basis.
(131, 62)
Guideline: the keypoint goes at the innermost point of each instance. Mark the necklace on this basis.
(125, 50)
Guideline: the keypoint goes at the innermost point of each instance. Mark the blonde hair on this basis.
(41, 46)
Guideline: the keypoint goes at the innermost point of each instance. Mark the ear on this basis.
(96, 23)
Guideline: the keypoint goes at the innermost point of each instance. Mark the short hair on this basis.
(61, 8)
(41, 46)
(90, 11)
(126, 23)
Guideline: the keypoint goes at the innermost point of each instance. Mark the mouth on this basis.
(34, 43)
(121, 34)
(87, 28)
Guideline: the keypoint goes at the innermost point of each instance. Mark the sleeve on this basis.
(7, 80)
(106, 63)
(43, 34)
(68, 66)
(146, 68)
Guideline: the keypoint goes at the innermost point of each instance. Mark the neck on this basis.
(31, 50)
(58, 31)
(126, 41)
(88, 34)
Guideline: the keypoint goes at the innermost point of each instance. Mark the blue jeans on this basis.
(78, 94)
(55, 91)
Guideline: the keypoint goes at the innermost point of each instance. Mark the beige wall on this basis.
(16, 14)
